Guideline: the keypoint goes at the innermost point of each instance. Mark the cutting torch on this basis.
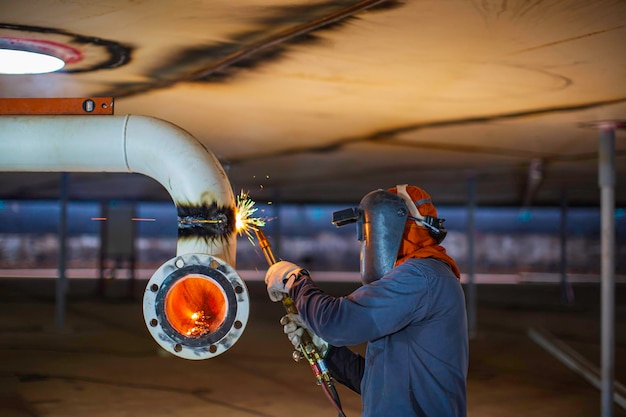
(306, 348)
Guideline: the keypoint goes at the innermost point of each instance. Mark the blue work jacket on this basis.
(415, 325)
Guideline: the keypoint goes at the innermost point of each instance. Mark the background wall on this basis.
(508, 240)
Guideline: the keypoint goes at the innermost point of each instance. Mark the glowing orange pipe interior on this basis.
(195, 306)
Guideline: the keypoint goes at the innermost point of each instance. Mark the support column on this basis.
(606, 178)
(471, 285)
(606, 181)
(61, 283)
(567, 292)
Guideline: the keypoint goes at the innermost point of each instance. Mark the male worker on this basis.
(410, 310)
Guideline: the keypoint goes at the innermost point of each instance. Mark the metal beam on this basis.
(576, 362)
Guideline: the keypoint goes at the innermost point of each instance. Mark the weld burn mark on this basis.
(210, 222)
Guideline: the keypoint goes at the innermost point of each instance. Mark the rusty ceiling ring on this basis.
(86, 53)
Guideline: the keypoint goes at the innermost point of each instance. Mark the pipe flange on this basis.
(196, 306)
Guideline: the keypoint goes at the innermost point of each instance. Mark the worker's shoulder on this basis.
(425, 266)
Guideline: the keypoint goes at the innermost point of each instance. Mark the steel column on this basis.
(567, 293)
(471, 285)
(606, 179)
(61, 283)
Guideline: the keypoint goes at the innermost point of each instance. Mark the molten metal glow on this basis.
(245, 222)
(195, 306)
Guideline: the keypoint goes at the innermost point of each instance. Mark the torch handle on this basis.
(265, 246)
(307, 348)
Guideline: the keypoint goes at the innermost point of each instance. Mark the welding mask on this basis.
(380, 220)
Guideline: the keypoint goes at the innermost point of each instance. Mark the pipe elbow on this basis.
(193, 177)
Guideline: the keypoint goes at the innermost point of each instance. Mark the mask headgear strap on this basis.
(403, 193)
(432, 224)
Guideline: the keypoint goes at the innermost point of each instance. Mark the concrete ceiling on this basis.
(323, 101)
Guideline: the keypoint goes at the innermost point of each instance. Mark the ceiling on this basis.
(323, 101)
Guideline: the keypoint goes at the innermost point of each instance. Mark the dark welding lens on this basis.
(347, 216)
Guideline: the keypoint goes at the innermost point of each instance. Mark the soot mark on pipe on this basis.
(210, 222)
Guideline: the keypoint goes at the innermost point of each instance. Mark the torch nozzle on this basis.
(264, 244)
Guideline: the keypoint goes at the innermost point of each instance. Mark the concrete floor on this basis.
(105, 363)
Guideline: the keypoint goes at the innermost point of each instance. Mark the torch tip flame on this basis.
(245, 222)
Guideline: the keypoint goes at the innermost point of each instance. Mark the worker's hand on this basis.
(294, 328)
(280, 277)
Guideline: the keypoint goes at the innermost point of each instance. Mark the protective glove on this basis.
(294, 328)
(280, 277)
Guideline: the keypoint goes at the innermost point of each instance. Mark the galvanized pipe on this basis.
(606, 179)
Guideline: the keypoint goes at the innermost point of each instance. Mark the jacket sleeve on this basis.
(346, 367)
(370, 312)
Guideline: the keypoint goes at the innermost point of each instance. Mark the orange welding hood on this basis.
(417, 242)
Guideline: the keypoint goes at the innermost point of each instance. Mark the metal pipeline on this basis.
(195, 305)
(307, 348)
(153, 147)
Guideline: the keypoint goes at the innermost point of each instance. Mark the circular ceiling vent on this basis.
(59, 50)
(34, 56)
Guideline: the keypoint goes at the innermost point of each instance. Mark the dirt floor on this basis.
(105, 363)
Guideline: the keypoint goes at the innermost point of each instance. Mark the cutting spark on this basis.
(245, 221)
